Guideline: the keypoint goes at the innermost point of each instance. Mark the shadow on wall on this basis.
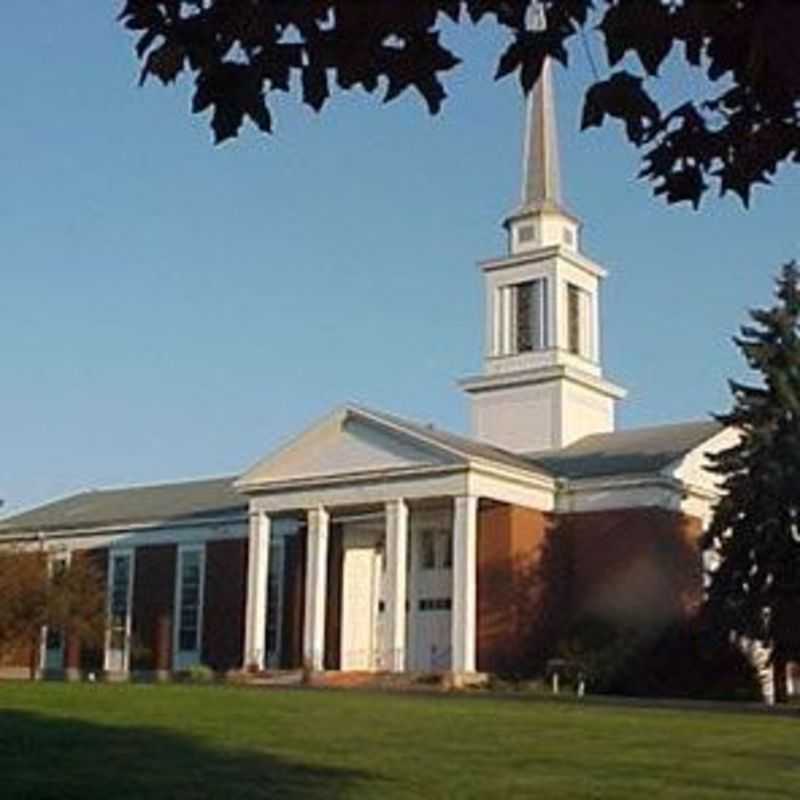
(523, 591)
(47, 758)
(634, 569)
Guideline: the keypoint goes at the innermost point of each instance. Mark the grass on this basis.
(80, 742)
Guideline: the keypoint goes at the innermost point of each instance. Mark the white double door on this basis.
(363, 599)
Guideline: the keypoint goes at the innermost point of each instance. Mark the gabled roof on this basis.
(356, 441)
(166, 502)
(636, 451)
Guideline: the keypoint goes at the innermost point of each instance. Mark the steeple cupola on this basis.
(542, 385)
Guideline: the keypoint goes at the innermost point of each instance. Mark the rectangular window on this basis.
(579, 320)
(529, 305)
(119, 606)
(190, 599)
(435, 604)
(447, 550)
(427, 551)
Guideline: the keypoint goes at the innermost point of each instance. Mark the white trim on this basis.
(116, 552)
(9, 536)
(198, 533)
(181, 659)
(362, 476)
(358, 492)
(512, 486)
(475, 384)
(533, 255)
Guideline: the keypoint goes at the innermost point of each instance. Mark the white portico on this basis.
(389, 511)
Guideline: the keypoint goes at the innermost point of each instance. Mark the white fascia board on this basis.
(542, 254)
(361, 490)
(533, 477)
(315, 482)
(480, 383)
(508, 489)
(223, 528)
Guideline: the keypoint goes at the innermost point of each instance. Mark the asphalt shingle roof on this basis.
(636, 451)
(140, 504)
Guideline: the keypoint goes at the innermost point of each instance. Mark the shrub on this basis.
(683, 660)
(197, 673)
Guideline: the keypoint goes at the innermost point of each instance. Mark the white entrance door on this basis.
(431, 581)
(362, 607)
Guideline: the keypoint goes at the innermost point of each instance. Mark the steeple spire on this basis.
(541, 220)
(541, 168)
(541, 181)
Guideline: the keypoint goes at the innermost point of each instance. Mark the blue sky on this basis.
(171, 310)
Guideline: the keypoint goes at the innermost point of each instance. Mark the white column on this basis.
(257, 587)
(465, 575)
(396, 594)
(316, 588)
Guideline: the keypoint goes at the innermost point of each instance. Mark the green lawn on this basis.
(80, 742)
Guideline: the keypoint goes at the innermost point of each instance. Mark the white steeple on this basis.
(542, 385)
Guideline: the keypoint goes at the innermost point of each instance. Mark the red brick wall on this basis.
(153, 604)
(224, 604)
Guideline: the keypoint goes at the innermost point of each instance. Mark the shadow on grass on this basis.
(47, 758)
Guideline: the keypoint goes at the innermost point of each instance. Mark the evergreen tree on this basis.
(754, 591)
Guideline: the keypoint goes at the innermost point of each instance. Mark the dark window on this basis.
(435, 604)
(574, 322)
(447, 550)
(530, 301)
(428, 550)
(189, 612)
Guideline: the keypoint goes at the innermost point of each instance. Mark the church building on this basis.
(371, 543)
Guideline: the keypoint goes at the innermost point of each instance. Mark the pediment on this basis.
(346, 443)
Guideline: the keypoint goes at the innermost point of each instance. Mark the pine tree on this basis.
(754, 591)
